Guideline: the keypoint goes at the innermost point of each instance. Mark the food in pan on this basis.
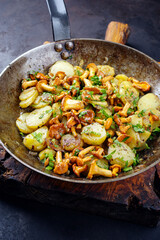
(90, 122)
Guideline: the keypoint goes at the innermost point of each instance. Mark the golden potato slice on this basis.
(29, 101)
(143, 137)
(121, 77)
(21, 124)
(62, 66)
(57, 109)
(69, 142)
(149, 101)
(38, 103)
(128, 93)
(121, 154)
(103, 113)
(94, 134)
(27, 93)
(135, 138)
(98, 104)
(35, 141)
(46, 152)
(39, 117)
(136, 120)
(151, 124)
(106, 69)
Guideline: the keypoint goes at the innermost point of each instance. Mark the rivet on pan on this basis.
(58, 47)
(69, 45)
(65, 55)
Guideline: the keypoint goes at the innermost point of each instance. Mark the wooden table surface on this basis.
(26, 24)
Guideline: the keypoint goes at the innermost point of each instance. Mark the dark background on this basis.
(25, 24)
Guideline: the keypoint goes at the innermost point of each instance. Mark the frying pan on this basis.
(124, 59)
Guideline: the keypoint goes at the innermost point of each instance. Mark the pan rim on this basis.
(64, 178)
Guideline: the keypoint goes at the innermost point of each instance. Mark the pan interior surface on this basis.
(125, 60)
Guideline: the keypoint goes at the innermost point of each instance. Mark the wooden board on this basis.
(136, 199)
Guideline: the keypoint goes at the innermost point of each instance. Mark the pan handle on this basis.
(59, 19)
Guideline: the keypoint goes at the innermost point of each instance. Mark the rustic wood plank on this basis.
(136, 199)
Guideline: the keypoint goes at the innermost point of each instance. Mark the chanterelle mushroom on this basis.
(68, 103)
(95, 170)
(61, 166)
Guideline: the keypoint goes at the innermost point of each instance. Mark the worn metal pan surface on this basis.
(124, 59)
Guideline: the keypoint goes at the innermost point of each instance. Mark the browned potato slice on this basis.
(94, 134)
(149, 101)
(122, 154)
(35, 141)
(39, 117)
(69, 142)
(21, 124)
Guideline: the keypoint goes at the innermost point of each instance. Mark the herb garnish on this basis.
(82, 113)
(138, 128)
(96, 80)
(109, 156)
(46, 112)
(37, 136)
(141, 113)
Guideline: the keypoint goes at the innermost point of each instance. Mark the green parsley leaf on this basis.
(37, 136)
(96, 80)
(54, 114)
(117, 143)
(146, 146)
(46, 112)
(103, 91)
(78, 72)
(136, 160)
(127, 169)
(103, 112)
(141, 113)
(135, 101)
(103, 97)
(156, 130)
(49, 168)
(138, 128)
(130, 111)
(76, 152)
(109, 156)
(125, 139)
(81, 114)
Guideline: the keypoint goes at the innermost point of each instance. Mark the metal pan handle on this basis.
(59, 19)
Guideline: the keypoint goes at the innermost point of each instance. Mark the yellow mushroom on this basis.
(97, 171)
(68, 103)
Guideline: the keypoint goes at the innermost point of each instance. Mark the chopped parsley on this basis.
(141, 113)
(138, 128)
(46, 112)
(127, 169)
(130, 111)
(96, 80)
(109, 156)
(125, 139)
(81, 114)
(37, 136)
(78, 72)
(103, 112)
(117, 143)
(103, 91)
(135, 101)
(76, 152)
(49, 168)
(103, 97)
(54, 114)
(136, 160)
(102, 163)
